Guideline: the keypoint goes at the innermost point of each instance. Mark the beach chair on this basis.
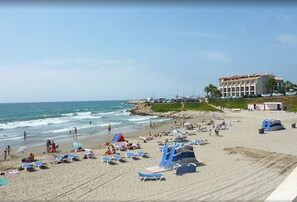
(60, 158)
(131, 155)
(182, 169)
(27, 166)
(143, 154)
(153, 176)
(119, 158)
(39, 164)
(106, 159)
(71, 157)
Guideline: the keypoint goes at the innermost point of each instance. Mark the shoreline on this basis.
(97, 140)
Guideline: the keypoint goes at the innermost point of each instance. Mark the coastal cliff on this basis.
(144, 109)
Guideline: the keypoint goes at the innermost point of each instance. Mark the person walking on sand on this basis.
(109, 128)
(8, 150)
(5, 154)
(25, 135)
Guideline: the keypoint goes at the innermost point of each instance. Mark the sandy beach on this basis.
(240, 164)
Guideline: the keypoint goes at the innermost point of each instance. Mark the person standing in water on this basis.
(109, 128)
(75, 133)
(25, 135)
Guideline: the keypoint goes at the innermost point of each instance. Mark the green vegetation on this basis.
(213, 90)
(166, 107)
(290, 102)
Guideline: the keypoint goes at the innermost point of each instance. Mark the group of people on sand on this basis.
(51, 146)
(110, 151)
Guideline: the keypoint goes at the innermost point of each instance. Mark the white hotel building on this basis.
(245, 85)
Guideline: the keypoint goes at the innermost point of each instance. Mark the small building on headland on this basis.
(266, 106)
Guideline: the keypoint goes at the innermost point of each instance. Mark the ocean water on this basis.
(56, 120)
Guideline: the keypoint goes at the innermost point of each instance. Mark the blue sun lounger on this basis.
(119, 158)
(143, 154)
(39, 164)
(131, 155)
(71, 156)
(153, 176)
(107, 160)
(182, 169)
(27, 166)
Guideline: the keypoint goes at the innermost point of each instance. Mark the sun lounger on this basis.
(27, 166)
(39, 164)
(61, 158)
(143, 154)
(182, 169)
(154, 176)
(119, 158)
(70, 157)
(131, 155)
(107, 160)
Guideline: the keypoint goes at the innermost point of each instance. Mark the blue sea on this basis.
(55, 120)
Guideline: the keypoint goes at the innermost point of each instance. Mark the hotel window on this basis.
(233, 89)
(237, 88)
(246, 88)
(242, 88)
(252, 87)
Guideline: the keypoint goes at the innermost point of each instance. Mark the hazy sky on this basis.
(95, 52)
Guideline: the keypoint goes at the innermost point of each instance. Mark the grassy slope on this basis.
(165, 107)
(290, 101)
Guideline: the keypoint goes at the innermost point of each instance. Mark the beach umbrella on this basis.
(177, 132)
(21, 149)
(76, 144)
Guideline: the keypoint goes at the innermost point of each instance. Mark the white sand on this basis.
(239, 165)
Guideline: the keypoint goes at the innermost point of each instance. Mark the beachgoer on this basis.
(90, 122)
(113, 150)
(127, 145)
(108, 152)
(25, 135)
(5, 154)
(75, 133)
(109, 128)
(31, 157)
(48, 144)
(8, 150)
(53, 149)
(209, 131)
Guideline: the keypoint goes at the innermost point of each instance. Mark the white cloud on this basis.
(290, 39)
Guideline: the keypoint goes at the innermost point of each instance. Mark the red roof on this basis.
(243, 76)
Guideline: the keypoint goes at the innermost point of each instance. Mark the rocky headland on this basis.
(144, 109)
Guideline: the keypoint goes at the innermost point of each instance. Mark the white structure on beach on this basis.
(245, 85)
(266, 106)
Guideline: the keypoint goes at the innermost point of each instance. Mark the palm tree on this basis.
(207, 90)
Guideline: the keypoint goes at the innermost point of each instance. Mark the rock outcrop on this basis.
(143, 109)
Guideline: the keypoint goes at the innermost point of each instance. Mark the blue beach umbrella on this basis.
(76, 144)
(3, 182)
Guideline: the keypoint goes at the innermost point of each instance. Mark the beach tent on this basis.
(177, 154)
(272, 124)
(118, 138)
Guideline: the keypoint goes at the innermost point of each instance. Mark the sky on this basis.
(116, 52)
